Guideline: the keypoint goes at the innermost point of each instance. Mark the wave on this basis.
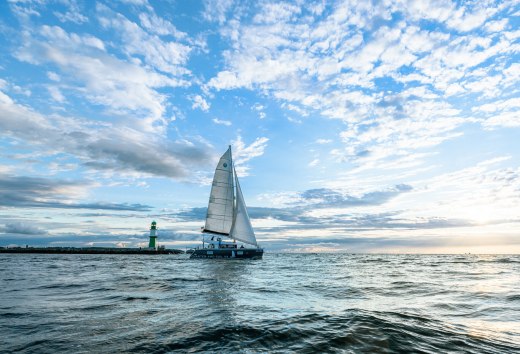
(515, 297)
(316, 303)
(355, 331)
(499, 260)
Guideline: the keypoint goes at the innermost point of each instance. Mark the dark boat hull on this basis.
(239, 253)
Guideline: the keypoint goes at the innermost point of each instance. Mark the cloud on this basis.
(332, 60)
(53, 76)
(126, 78)
(243, 154)
(404, 81)
(166, 56)
(22, 228)
(170, 159)
(299, 223)
(221, 122)
(173, 235)
(324, 197)
(120, 86)
(135, 2)
(323, 141)
(72, 14)
(103, 147)
(56, 94)
(36, 192)
(314, 162)
(463, 18)
(260, 109)
(300, 206)
(199, 102)
(155, 24)
(216, 10)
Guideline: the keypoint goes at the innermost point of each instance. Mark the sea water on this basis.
(306, 303)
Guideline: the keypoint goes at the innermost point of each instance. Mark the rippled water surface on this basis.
(284, 303)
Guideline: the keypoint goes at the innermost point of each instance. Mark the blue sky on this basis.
(384, 126)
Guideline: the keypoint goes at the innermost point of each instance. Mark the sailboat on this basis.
(227, 220)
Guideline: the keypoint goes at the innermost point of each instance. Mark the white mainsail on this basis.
(242, 229)
(220, 208)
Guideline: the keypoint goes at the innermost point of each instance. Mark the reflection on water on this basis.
(285, 302)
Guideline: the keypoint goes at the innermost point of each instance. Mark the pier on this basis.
(89, 250)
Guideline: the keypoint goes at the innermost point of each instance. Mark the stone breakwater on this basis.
(88, 250)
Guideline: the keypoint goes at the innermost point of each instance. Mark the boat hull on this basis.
(240, 253)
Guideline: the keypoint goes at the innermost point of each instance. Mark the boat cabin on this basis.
(219, 244)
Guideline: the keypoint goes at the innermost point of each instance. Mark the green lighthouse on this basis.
(153, 235)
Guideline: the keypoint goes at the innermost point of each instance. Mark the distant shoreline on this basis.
(88, 250)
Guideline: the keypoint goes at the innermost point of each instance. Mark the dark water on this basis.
(283, 303)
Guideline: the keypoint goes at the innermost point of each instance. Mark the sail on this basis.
(220, 208)
(242, 229)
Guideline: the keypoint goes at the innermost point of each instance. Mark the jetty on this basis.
(153, 248)
(89, 250)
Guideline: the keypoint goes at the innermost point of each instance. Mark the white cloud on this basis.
(73, 14)
(483, 193)
(199, 102)
(165, 56)
(331, 65)
(154, 24)
(216, 10)
(464, 21)
(509, 104)
(260, 109)
(120, 86)
(503, 119)
(224, 80)
(314, 162)
(53, 76)
(221, 122)
(109, 147)
(10, 87)
(323, 141)
(276, 12)
(56, 94)
(57, 35)
(243, 153)
(496, 26)
(136, 2)
(296, 109)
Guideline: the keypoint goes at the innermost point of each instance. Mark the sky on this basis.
(370, 126)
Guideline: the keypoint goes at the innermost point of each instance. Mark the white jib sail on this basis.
(242, 229)
(220, 207)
